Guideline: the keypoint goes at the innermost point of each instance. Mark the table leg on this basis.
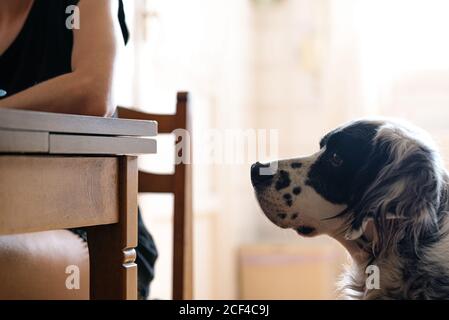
(113, 272)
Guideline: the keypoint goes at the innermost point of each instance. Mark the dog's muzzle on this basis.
(259, 178)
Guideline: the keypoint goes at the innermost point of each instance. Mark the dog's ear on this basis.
(404, 181)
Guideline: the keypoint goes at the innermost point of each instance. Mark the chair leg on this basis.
(183, 224)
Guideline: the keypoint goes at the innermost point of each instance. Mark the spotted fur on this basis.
(379, 188)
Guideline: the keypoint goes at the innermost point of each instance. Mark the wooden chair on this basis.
(179, 184)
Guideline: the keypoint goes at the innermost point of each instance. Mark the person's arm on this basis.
(87, 89)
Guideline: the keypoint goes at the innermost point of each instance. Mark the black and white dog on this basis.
(379, 188)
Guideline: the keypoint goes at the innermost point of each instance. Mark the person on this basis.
(49, 64)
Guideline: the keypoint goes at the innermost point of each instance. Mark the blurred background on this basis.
(301, 67)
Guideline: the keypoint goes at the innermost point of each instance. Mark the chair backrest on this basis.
(180, 185)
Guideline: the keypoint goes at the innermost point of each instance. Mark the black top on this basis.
(43, 48)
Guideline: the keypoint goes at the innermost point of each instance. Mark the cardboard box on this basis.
(300, 271)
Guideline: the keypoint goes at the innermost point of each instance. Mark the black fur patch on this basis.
(288, 199)
(353, 144)
(296, 165)
(282, 216)
(283, 181)
(305, 230)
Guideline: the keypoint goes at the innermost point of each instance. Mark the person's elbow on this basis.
(98, 105)
(96, 98)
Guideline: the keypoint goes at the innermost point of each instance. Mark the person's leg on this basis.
(146, 258)
(34, 266)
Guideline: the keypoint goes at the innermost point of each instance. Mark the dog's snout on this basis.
(260, 177)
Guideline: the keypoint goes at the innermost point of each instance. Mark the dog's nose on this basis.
(258, 176)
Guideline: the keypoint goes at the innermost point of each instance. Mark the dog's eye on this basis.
(335, 160)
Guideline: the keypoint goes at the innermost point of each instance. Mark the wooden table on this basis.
(64, 171)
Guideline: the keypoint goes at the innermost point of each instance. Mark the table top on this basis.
(52, 133)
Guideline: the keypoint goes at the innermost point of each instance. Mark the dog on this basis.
(379, 188)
